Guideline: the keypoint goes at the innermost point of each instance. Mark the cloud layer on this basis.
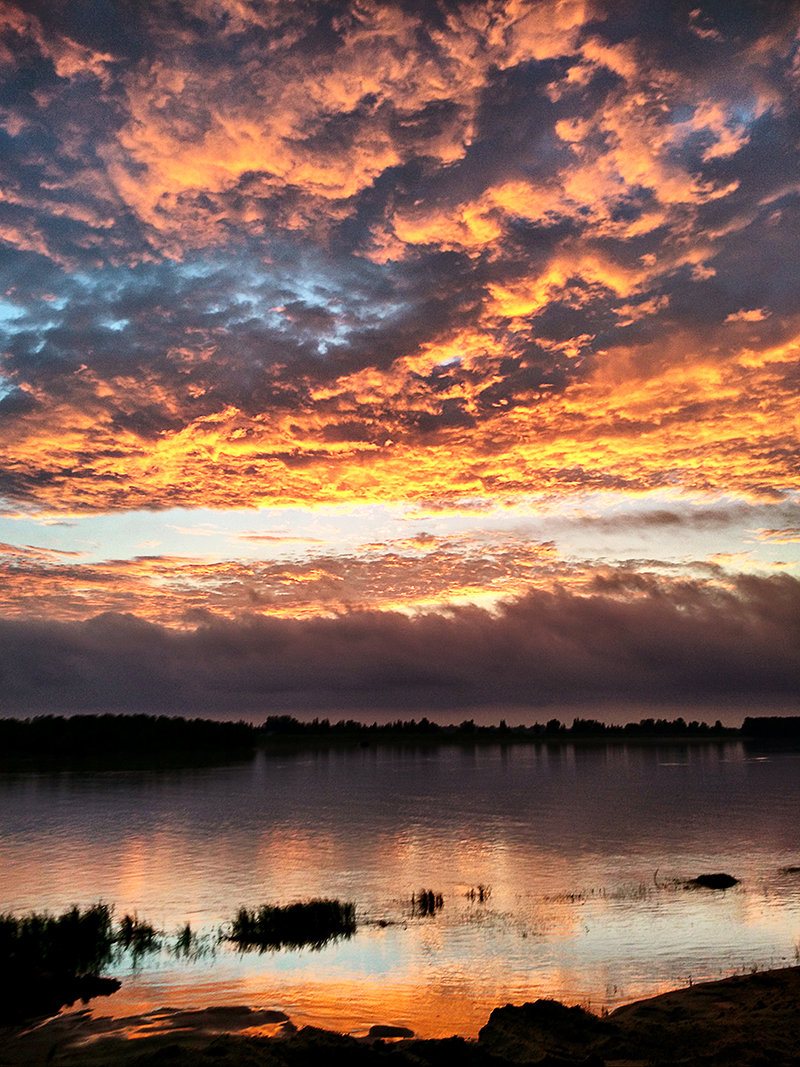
(636, 638)
(453, 258)
(266, 253)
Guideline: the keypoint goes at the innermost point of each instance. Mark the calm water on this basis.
(582, 849)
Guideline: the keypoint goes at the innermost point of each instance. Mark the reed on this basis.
(75, 943)
(138, 936)
(313, 923)
(426, 902)
(185, 940)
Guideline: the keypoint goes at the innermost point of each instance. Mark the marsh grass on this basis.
(310, 924)
(76, 943)
(185, 941)
(137, 936)
(634, 892)
(479, 893)
(426, 902)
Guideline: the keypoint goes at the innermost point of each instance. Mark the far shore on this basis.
(744, 1020)
(143, 741)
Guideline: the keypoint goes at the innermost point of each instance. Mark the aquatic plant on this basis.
(138, 936)
(47, 961)
(426, 902)
(75, 943)
(184, 940)
(312, 923)
(481, 893)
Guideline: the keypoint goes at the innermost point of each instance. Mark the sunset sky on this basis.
(399, 355)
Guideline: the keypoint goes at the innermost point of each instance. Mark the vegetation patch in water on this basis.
(426, 902)
(48, 960)
(312, 923)
(77, 942)
(185, 941)
(137, 935)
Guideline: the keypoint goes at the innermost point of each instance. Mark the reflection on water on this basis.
(560, 871)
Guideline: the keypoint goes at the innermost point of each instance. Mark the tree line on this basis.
(131, 737)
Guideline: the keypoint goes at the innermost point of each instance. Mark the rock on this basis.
(544, 1031)
(381, 1030)
(31, 994)
(715, 881)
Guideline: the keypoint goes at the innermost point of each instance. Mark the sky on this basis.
(398, 355)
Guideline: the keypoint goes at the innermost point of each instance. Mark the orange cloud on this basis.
(751, 315)
(789, 535)
(452, 262)
(404, 575)
(725, 425)
(192, 129)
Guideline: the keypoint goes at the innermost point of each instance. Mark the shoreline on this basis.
(743, 1019)
(142, 741)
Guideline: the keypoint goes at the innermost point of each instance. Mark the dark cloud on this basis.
(671, 641)
(16, 402)
(669, 28)
(692, 517)
(116, 27)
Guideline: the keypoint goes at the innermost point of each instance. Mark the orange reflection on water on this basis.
(441, 1007)
(567, 839)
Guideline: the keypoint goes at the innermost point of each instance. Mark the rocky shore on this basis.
(747, 1021)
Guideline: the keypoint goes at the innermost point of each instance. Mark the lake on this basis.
(582, 853)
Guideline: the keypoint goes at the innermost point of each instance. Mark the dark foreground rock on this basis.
(26, 995)
(748, 1021)
(310, 1047)
(531, 1033)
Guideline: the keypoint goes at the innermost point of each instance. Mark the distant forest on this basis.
(124, 737)
(150, 738)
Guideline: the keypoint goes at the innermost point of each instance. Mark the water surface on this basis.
(583, 849)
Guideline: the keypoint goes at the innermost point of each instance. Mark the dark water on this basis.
(583, 851)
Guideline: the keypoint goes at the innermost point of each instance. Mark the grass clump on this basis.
(138, 936)
(47, 961)
(312, 923)
(185, 940)
(426, 902)
(76, 943)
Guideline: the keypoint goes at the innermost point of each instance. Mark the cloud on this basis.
(452, 255)
(751, 315)
(786, 536)
(715, 516)
(34, 553)
(403, 575)
(256, 537)
(547, 199)
(634, 638)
